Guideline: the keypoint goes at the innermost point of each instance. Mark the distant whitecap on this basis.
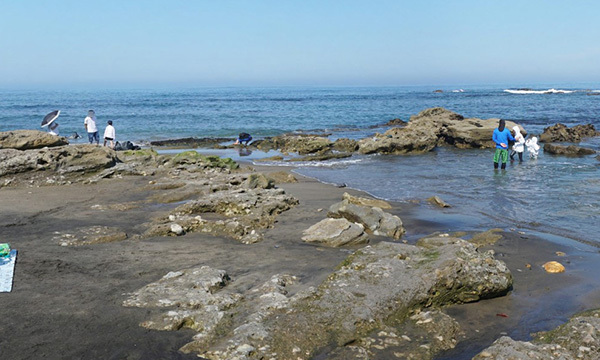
(531, 91)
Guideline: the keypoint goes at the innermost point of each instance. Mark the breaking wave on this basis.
(531, 91)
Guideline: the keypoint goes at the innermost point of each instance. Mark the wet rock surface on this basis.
(436, 200)
(89, 235)
(237, 205)
(190, 142)
(301, 144)
(570, 150)
(29, 139)
(363, 201)
(562, 133)
(577, 339)
(358, 307)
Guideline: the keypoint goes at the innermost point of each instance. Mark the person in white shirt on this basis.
(90, 127)
(109, 134)
(518, 147)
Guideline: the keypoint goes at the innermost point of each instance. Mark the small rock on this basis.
(436, 200)
(176, 229)
(553, 267)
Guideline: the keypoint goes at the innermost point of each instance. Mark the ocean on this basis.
(554, 195)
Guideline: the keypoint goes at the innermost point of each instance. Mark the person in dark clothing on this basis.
(501, 136)
(243, 138)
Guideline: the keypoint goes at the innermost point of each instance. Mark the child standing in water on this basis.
(532, 147)
(501, 136)
(518, 147)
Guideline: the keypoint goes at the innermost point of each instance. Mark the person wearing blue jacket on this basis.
(501, 137)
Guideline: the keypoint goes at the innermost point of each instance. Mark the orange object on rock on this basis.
(554, 267)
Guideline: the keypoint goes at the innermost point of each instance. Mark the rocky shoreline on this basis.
(224, 262)
(423, 132)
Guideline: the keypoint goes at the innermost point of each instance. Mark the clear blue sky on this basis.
(306, 42)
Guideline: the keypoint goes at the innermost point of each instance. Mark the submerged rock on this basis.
(436, 200)
(485, 238)
(328, 155)
(562, 133)
(30, 139)
(571, 150)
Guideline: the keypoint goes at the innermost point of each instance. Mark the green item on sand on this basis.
(4, 250)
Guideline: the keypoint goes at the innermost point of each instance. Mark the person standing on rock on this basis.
(91, 128)
(519, 146)
(501, 136)
(109, 134)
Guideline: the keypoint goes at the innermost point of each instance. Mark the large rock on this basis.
(373, 219)
(193, 161)
(29, 139)
(577, 339)
(562, 133)
(433, 127)
(378, 287)
(345, 145)
(242, 212)
(570, 150)
(63, 159)
(301, 144)
(190, 298)
(191, 142)
(335, 233)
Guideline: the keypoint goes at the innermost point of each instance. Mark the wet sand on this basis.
(66, 301)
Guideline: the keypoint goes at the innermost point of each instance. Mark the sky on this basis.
(321, 43)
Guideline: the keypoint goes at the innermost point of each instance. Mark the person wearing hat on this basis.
(91, 128)
(501, 136)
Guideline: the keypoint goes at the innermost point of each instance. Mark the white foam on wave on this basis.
(530, 91)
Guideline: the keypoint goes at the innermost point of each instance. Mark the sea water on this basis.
(552, 194)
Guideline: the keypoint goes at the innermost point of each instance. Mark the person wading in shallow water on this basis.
(501, 137)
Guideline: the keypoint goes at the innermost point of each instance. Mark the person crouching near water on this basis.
(532, 147)
(243, 137)
(109, 134)
(518, 147)
(501, 136)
